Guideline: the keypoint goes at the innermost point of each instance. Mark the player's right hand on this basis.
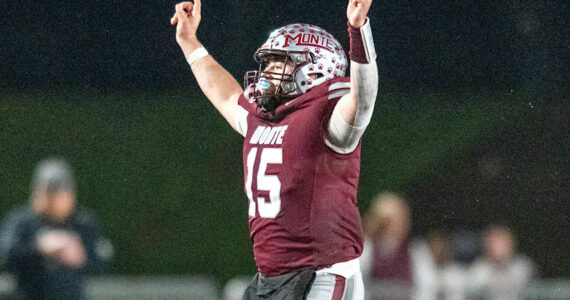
(186, 17)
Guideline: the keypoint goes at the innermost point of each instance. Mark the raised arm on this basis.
(216, 83)
(354, 110)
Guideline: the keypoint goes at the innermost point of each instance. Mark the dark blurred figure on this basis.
(501, 273)
(386, 261)
(456, 280)
(50, 244)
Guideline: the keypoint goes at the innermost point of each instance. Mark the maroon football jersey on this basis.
(302, 194)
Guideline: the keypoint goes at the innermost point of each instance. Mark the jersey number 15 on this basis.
(265, 182)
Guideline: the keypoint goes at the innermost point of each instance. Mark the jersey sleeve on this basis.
(340, 136)
(241, 121)
(243, 111)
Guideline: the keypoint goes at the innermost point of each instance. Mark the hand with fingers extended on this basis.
(187, 18)
(356, 12)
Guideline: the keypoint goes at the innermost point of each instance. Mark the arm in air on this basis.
(354, 110)
(218, 85)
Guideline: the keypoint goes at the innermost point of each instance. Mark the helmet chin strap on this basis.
(288, 86)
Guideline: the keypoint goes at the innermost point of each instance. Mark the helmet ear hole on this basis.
(315, 76)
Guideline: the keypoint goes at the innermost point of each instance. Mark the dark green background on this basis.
(471, 122)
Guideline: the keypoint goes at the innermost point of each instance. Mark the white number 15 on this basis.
(265, 182)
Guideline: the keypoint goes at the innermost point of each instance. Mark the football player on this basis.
(302, 121)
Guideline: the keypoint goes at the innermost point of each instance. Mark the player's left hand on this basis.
(356, 12)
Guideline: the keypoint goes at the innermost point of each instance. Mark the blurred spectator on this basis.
(456, 279)
(501, 273)
(432, 259)
(50, 244)
(387, 259)
(439, 248)
(466, 246)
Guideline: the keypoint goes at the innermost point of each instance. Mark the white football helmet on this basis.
(316, 56)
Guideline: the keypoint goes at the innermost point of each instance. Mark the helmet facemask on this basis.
(271, 89)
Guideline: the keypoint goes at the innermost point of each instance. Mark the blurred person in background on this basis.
(501, 273)
(465, 247)
(386, 261)
(396, 266)
(432, 260)
(51, 244)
